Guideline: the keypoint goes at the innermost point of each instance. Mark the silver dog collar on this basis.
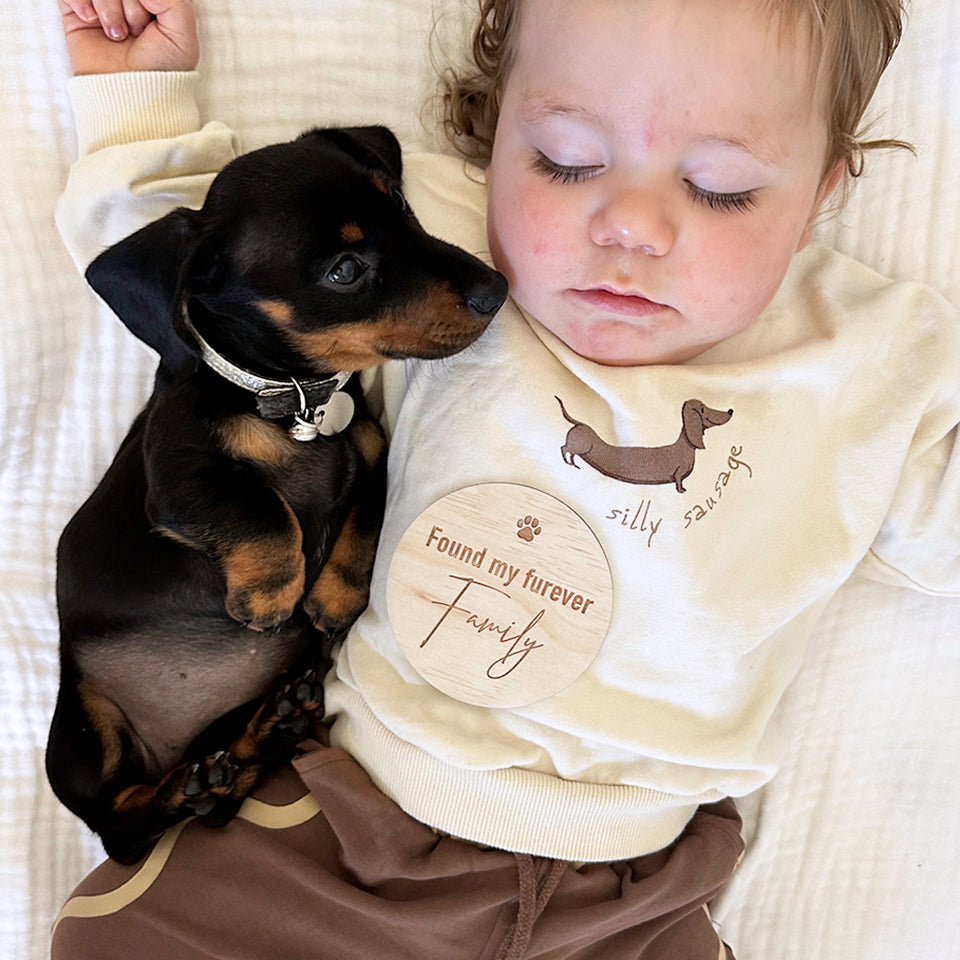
(318, 407)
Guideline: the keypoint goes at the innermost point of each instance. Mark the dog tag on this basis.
(327, 420)
(335, 415)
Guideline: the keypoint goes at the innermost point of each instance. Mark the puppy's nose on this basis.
(486, 297)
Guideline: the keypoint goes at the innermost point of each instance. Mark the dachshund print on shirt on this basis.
(645, 465)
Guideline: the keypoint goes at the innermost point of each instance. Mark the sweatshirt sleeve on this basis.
(142, 153)
(918, 545)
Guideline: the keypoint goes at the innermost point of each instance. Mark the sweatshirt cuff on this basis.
(112, 108)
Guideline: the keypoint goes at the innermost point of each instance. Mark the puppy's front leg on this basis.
(341, 590)
(264, 571)
(249, 530)
(225, 509)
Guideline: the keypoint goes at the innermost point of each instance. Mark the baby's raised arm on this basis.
(134, 100)
(112, 36)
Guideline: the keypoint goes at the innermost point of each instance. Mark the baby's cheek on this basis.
(746, 272)
(539, 220)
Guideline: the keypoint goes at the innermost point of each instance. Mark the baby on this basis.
(651, 174)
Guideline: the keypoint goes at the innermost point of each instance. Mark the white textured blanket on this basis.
(854, 851)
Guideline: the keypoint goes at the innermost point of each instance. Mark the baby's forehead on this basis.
(615, 58)
(797, 26)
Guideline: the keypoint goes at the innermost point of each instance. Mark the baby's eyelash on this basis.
(559, 173)
(724, 202)
(740, 202)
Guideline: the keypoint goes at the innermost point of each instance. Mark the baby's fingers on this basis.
(84, 9)
(112, 18)
(136, 16)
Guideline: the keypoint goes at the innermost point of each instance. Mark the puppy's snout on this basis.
(485, 297)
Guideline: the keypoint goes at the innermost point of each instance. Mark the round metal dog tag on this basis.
(335, 415)
(499, 595)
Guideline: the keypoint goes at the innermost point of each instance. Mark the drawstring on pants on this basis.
(533, 899)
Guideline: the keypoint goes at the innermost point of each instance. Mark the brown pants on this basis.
(323, 865)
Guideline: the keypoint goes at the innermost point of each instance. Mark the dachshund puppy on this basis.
(231, 541)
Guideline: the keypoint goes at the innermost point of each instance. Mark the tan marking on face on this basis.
(379, 184)
(351, 233)
(248, 437)
(436, 325)
(279, 311)
(370, 441)
(108, 720)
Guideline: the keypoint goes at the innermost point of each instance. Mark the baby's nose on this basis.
(634, 220)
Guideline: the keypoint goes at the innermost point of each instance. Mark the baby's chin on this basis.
(620, 343)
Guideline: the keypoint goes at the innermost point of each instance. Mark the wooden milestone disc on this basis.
(499, 595)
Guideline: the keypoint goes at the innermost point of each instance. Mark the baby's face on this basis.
(656, 165)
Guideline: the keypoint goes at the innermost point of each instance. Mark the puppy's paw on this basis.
(207, 782)
(195, 789)
(335, 601)
(340, 593)
(264, 582)
(295, 705)
(285, 717)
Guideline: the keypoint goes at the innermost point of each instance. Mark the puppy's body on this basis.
(139, 605)
(200, 584)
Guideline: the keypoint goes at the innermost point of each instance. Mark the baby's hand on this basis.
(110, 36)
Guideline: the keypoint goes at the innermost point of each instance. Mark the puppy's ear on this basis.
(374, 147)
(141, 280)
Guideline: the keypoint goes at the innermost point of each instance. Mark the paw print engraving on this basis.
(528, 528)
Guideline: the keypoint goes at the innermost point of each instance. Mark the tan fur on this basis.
(107, 719)
(435, 324)
(279, 311)
(265, 577)
(137, 796)
(248, 745)
(248, 437)
(335, 594)
(370, 441)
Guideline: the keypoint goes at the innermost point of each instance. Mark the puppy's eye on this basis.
(346, 270)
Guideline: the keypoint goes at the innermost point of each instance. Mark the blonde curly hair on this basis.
(854, 41)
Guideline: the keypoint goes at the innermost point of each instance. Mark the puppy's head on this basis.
(304, 259)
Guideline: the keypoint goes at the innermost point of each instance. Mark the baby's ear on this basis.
(827, 185)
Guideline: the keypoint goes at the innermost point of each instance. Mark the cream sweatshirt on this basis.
(840, 456)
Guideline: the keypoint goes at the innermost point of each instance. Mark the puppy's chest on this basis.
(309, 475)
